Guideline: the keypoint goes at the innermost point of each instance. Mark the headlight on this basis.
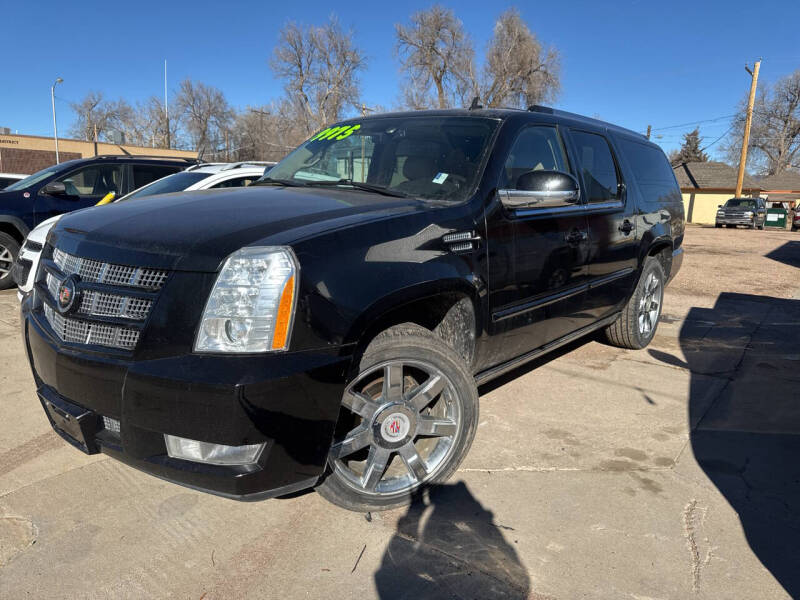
(251, 307)
(720, 213)
(748, 213)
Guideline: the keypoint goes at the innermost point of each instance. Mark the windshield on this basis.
(740, 203)
(428, 157)
(171, 183)
(35, 178)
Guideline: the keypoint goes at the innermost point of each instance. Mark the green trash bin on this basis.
(776, 217)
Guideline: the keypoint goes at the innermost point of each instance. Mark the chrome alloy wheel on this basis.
(406, 419)
(650, 305)
(6, 261)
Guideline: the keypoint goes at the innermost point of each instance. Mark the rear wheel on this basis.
(637, 323)
(408, 418)
(9, 249)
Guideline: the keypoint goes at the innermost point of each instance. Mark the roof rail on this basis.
(255, 163)
(555, 111)
(202, 165)
(148, 156)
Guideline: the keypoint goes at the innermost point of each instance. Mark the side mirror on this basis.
(719, 205)
(542, 189)
(55, 188)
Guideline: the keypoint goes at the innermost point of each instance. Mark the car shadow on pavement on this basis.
(447, 545)
(747, 439)
(788, 254)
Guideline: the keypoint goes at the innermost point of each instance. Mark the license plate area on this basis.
(74, 423)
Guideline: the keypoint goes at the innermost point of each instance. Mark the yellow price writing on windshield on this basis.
(336, 133)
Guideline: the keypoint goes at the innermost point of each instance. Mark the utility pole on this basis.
(748, 121)
(649, 129)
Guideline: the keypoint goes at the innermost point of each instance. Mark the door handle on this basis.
(626, 227)
(576, 236)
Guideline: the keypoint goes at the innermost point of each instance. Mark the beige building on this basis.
(30, 153)
(706, 185)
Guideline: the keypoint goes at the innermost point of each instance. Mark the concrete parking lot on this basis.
(670, 472)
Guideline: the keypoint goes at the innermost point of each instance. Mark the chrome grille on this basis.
(80, 328)
(111, 274)
(103, 304)
(82, 332)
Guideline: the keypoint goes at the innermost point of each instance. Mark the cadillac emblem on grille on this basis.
(67, 293)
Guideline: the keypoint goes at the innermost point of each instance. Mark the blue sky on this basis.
(631, 63)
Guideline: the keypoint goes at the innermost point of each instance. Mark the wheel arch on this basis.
(14, 227)
(448, 308)
(659, 243)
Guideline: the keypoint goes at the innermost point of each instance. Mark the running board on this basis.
(512, 364)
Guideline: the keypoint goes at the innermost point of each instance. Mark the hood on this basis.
(39, 233)
(196, 231)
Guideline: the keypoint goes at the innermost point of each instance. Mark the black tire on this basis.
(9, 250)
(626, 332)
(398, 345)
(731, 226)
(718, 225)
(761, 227)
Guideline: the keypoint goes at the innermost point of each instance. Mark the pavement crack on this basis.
(693, 518)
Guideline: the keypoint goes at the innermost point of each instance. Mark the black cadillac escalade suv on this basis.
(329, 326)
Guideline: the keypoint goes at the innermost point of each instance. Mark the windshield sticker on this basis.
(440, 178)
(336, 133)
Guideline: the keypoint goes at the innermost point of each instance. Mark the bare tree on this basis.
(775, 132)
(518, 71)
(261, 133)
(94, 115)
(437, 57)
(319, 66)
(206, 116)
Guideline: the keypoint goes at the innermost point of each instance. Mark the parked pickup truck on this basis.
(750, 212)
(329, 325)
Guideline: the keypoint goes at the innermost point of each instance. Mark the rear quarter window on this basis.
(652, 172)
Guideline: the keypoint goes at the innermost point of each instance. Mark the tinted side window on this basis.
(94, 181)
(236, 182)
(144, 174)
(597, 165)
(652, 172)
(535, 149)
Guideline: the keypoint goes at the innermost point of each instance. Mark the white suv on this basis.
(206, 176)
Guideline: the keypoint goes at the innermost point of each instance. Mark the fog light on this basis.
(214, 454)
(111, 424)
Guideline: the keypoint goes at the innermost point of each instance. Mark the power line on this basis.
(694, 123)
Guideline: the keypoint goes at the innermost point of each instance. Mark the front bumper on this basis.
(288, 401)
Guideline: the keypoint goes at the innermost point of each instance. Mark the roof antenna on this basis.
(476, 103)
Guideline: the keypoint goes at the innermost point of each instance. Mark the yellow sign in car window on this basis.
(336, 133)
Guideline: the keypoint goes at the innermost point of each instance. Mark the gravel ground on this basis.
(741, 260)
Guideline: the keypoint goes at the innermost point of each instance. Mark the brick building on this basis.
(30, 153)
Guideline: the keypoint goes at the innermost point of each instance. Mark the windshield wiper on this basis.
(271, 181)
(360, 185)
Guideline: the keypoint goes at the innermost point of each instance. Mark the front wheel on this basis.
(407, 420)
(636, 325)
(9, 249)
